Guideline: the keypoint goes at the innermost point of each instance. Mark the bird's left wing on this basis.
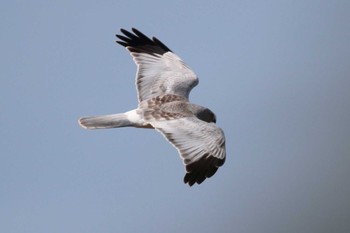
(201, 145)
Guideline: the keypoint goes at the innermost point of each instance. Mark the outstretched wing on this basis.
(201, 145)
(159, 70)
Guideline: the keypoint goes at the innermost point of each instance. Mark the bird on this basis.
(163, 83)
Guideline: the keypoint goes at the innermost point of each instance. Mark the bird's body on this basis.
(163, 83)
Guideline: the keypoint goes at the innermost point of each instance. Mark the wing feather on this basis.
(159, 70)
(201, 146)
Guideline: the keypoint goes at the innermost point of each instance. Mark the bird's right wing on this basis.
(159, 70)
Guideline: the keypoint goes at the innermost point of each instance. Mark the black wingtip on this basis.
(202, 169)
(136, 41)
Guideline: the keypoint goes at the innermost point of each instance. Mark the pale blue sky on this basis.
(276, 73)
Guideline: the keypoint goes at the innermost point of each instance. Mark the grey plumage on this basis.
(163, 83)
(105, 122)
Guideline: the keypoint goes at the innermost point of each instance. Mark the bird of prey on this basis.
(163, 83)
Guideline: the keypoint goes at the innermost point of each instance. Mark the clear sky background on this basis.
(276, 73)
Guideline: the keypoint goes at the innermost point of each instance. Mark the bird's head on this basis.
(204, 114)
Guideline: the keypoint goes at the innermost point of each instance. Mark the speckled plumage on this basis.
(163, 83)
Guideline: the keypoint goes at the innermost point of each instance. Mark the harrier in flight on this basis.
(163, 83)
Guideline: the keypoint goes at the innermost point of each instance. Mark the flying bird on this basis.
(163, 83)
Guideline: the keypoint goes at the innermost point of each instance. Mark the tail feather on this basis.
(105, 122)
